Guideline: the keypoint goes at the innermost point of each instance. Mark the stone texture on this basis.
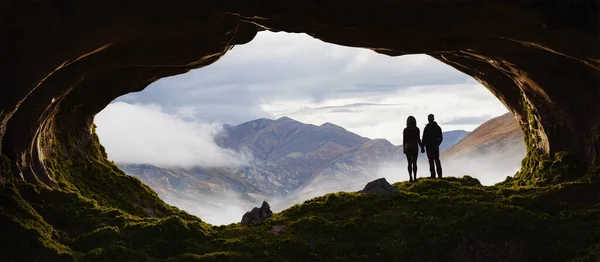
(380, 186)
(257, 215)
(61, 62)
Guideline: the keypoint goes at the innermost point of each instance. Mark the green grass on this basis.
(431, 220)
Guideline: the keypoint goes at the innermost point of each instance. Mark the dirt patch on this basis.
(276, 230)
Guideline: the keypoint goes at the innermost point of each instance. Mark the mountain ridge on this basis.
(287, 155)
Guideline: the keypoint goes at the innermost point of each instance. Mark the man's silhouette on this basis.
(432, 138)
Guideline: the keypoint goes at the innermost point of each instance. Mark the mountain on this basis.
(287, 152)
(451, 138)
(190, 183)
(491, 152)
(289, 158)
(499, 135)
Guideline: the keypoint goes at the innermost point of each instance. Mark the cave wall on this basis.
(61, 62)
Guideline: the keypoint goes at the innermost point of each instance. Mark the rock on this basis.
(380, 186)
(257, 215)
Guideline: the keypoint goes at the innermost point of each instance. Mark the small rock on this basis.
(257, 215)
(380, 186)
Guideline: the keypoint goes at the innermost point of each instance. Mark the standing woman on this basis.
(411, 142)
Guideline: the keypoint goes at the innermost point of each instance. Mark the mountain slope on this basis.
(491, 152)
(452, 137)
(498, 135)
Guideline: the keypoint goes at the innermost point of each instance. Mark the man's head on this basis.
(430, 118)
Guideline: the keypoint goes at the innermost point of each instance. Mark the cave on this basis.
(64, 61)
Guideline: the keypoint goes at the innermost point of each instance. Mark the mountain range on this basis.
(293, 161)
(287, 157)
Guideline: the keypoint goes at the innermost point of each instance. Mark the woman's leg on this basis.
(409, 160)
(414, 165)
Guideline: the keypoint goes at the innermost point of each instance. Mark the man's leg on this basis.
(438, 166)
(431, 167)
(431, 157)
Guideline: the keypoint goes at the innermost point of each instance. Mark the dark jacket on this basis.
(432, 135)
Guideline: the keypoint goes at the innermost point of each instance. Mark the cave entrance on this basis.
(348, 106)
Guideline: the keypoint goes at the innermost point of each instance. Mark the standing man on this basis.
(432, 138)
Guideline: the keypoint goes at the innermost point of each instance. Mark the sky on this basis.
(295, 75)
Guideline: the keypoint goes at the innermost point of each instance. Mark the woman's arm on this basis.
(404, 141)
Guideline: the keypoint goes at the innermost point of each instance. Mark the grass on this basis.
(453, 219)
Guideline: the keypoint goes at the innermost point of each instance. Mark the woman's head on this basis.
(411, 121)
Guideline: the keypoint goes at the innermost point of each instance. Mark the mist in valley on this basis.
(229, 207)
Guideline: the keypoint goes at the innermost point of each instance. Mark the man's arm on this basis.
(419, 138)
(441, 136)
(420, 141)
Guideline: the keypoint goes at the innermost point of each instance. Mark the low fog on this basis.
(145, 134)
(229, 207)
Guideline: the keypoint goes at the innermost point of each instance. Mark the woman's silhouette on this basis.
(411, 143)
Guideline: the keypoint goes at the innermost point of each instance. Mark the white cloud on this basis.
(134, 133)
(283, 68)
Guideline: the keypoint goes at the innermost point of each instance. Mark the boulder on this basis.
(380, 186)
(257, 215)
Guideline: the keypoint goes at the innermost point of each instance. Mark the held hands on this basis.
(422, 150)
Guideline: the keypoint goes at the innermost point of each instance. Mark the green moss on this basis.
(115, 253)
(23, 227)
(5, 169)
(430, 220)
(81, 166)
(539, 168)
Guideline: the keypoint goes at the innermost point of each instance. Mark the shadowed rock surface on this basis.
(380, 186)
(257, 215)
(540, 58)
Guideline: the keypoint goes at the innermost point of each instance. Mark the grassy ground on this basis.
(431, 220)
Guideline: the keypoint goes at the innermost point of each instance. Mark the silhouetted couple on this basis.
(432, 138)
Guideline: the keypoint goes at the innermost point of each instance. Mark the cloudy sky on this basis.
(294, 75)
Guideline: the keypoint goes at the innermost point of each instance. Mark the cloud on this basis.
(467, 120)
(227, 208)
(283, 67)
(134, 133)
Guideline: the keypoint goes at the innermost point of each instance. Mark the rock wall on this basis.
(61, 62)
